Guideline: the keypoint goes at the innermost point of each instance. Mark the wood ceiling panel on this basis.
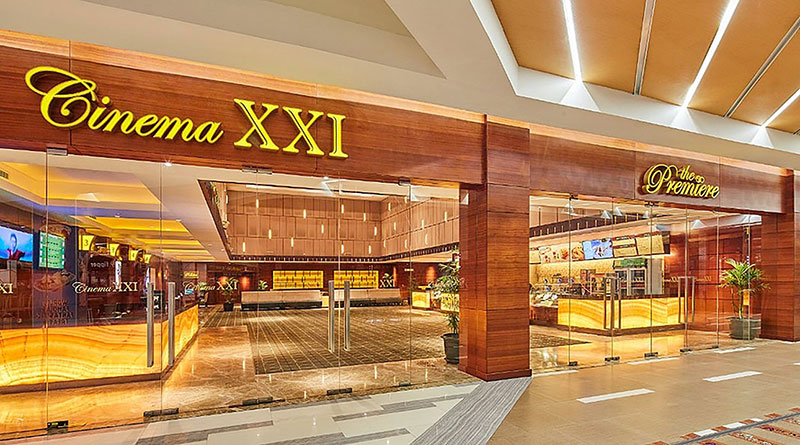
(755, 29)
(682, 31)
(537, 34)
(778, 84)
(608, 40)
(789, 120)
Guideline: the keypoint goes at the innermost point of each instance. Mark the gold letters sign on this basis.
(73, 102)
(671, 180)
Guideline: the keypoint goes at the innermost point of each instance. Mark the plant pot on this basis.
(745, 328)
(227, 307)
(450, 348)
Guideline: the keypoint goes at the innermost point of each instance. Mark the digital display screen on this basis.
(598, 249)
(51, 251)
(16, 245)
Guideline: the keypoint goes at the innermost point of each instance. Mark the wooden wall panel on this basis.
(562, 165)
(493, 227)
(20, 122)
(744, 189)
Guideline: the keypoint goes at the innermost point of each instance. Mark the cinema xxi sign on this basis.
(73, 102)
(670, 179)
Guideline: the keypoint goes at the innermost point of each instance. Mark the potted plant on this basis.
(445, 290)
(743, 280)
(227, 306)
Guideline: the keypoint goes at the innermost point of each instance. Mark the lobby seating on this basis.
(372, 297)
(252, 300)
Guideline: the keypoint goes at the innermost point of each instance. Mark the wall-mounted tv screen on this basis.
(598, 249)
(51, 251)
(16, 245)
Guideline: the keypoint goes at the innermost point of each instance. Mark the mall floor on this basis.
(704, 397)
(283, 354)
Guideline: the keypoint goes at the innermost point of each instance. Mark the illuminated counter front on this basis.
(88, 353)
(629, 313)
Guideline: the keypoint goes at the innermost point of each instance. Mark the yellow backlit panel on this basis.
(136, 224)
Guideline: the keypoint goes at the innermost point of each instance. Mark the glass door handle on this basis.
(171, 327)
(331, 316)
(347, 315)
(150, 310)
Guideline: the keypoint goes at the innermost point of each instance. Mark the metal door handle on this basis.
(171, 314)
(331, 316)
(347, 315)
(150, 310)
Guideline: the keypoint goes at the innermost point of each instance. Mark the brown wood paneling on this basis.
(745, 189)
(22, 124)
(507, 155)
(563, 165)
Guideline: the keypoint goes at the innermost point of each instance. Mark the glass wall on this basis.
(134, 290)
(614, 280)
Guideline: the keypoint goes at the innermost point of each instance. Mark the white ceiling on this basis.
(452, 52)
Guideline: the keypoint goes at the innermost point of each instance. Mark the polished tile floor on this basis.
(392, 418)
(657, 400)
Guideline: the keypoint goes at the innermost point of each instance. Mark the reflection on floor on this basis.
(393, 418)
(218, 372)
(293, 340)
(595, 348)
(660, 401)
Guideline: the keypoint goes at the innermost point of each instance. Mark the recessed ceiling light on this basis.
(723, 25)
(168, 164)
(572, 37)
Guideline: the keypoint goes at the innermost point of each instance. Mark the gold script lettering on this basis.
(671, 180)
(76, 101)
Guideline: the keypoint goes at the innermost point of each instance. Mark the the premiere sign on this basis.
(74, 102)
(669, 179)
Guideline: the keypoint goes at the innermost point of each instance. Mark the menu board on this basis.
(650, 245)
(561, 253)
(51, 251)
(534, 256)
(598, 249)
(623, 246)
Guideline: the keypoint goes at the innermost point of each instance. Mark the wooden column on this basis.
(494, 258)
(780, 243)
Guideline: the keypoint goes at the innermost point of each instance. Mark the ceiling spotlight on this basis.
(167, 164)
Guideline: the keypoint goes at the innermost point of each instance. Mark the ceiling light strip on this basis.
(573, 40)
(723, 25)
(782, 108)
(765, 66)
(644, 44)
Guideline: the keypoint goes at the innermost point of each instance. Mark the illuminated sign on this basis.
(672, 180)
(73, 102)
(191, 274)
(6, 288)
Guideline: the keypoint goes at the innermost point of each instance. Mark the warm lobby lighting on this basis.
(723, 25)
(573, 40)
(781, 109)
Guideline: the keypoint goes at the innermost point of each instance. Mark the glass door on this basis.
(698, 287)
(23, 328)
(100, 293)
